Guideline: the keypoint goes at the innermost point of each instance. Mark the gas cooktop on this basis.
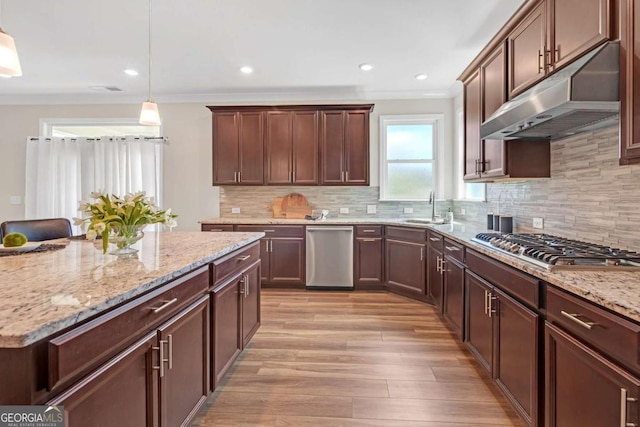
(555, 253)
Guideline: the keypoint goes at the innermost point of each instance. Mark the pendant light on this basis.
(9, 62)
(149, 114)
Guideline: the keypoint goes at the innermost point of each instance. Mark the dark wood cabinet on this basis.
(434, 277)
(503, 335)
(250, 303)
(227, 323)
(526, 55)
(291, 147)
(345, 146)
(283, 254)
(629, 82)
(472, 121)
(575, 27)
(162, 380)
(369, 262)
(583, 388)
(405, 266)
(238, 149)
(453, 294)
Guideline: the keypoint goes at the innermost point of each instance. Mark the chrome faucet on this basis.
(432, 202)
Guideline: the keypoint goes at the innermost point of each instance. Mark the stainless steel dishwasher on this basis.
(329, 257)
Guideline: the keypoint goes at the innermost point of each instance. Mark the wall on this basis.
(588, 197)
(187, 161)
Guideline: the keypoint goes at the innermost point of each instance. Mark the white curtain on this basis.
(62, 171)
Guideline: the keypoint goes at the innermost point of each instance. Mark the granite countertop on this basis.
(43, 293)
(618, 291)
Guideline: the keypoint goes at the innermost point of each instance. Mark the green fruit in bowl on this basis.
(13, 240)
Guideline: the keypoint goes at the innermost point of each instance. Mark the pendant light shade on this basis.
(9, 62)
(149, 114)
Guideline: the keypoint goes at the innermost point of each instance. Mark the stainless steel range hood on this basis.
(583, 96)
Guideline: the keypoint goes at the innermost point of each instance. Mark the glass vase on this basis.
(123, 236)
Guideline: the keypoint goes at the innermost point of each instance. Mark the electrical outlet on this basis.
(15, 200)
(463, 211)
(344, 210)
(371, 209)
(538, 223)
(235, 210)
(408, 210)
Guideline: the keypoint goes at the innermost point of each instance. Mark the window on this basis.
(408, 153)
(465, 190)
(92, 128)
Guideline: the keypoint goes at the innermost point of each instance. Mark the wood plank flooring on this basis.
(349, 359)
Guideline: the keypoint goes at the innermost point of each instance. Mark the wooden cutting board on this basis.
(293, 200)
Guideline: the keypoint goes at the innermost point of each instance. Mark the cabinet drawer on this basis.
(368, 230)
(92, 343)
(609, 333)
(524, 287)
(454, 250)
(410, 234)
(217, 227)
(274, 230)
(435, 240)
(235, 261)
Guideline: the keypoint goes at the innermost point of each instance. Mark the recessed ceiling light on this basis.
(366, 67)
(130, 72)
(421, 76)
(246, 70)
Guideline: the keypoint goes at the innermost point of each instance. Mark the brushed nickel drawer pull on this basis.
(271, 246)
(246, 285)
(421, 254)
(490, 304)
(269, 231)
(442, 263)
(215, 229)
(368, 231)
(164, 305)
(486, 305)
(160, 366)
(623, 408)
(438, 265)
(434, 239)
(368, 240)
(266, 245)
(243, 258)
(452, 248)
(574, 317)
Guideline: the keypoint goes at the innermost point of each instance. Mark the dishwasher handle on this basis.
(312, 229)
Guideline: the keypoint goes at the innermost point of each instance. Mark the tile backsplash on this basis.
(253, 202)
(588, 197)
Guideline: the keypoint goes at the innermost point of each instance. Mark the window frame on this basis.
(437, 121)
(47, 124)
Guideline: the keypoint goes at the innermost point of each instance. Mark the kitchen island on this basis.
(77, 325)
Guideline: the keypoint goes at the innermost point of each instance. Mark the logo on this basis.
(32, 416)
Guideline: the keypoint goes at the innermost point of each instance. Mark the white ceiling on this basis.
(300, 49)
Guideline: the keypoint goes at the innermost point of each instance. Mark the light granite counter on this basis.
(43, 293)
(618, 291)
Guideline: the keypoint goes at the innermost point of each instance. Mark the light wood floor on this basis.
(354, 359)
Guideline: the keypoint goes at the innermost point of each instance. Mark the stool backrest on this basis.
(38, 230)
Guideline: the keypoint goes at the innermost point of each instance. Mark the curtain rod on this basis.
(110, 138)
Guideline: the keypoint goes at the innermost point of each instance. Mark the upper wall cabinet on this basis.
(553, 34)
(629, 82)
(291, 145)
(238, 147)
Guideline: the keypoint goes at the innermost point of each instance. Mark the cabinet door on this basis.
(250, 303)
(585, 389)
(527, 52)
(405, 266)
(629, 82)
(226, 335)
(127, 385)
(225, 148)
(265, 261)
(250, 148)
(332, 146)
(479, 335)
(287, 260)
(369, 262)
(576, 27)
(516, 367)
(279, 147)
(434, 277)
(453, 298)
(356, 156)
(472, 121)
(305, 147)
(185, 384)
(494, 93)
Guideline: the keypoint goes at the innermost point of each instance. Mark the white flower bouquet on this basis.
(121, 216)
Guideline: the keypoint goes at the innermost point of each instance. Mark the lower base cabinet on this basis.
(405, 267)
(235, 317)
(585, 389)
(155, 382)
(453, 294)
(369, 263)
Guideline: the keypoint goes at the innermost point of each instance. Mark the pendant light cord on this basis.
(149, 56)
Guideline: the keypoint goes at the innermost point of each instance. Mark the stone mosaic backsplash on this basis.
(253, 202)
(588, 197)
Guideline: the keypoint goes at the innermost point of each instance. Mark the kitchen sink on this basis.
(425, 221)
